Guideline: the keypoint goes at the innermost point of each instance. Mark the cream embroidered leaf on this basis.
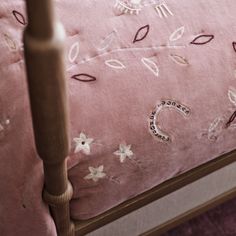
(10, 42)
(202, 39)
(73, 52)
(232, 96)
(177, 34)
(215, 129)
(19, 17)
(141, 33)
(214, 124)
(106, 42)
(1, 128)
(151, 65)
(179, 60)
(115, 64)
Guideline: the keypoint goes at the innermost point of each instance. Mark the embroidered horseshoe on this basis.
(153, 123)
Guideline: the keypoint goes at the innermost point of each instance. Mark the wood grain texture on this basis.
(44, 53)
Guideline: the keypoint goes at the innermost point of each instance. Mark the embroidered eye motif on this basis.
(153, 123)
(129, 6)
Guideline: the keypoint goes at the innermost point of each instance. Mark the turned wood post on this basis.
(43, 43)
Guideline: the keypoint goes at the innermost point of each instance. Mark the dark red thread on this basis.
(202, 39)
(234, 46)
(231, 119)
(143, 31)
(19, 17)
(88, 78)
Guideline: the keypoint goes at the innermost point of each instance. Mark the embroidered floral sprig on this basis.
(124, 152)
(95, 173)
(83, 144)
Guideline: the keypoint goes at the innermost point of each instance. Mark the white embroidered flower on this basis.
(124, 152)
(83, 144)
(95, 173)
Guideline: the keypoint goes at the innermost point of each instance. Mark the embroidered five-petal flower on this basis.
(83, 144)
(124, 152)
(95, 173)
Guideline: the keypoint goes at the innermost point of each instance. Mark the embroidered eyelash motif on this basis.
(132, 7)
(163, 10)
(153, 124)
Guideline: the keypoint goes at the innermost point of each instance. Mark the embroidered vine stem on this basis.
(126, 50)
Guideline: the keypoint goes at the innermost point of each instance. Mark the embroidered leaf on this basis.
(1, 128)
(234, 46)
(202, 39)
(19, 17)
(74, 52)
(231, 119)
(84, 77)
(179, 60)
(115, 64)
(177, 34)
(141, 33)
(214, 124)
(106, 42)
(215, 129)
(151, 65)
(10, 42)
(232, 96)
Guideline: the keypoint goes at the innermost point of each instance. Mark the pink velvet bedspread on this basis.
(152, 91)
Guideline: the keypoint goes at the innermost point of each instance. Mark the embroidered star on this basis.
(95, 173)
(124, 152)
(83, 144)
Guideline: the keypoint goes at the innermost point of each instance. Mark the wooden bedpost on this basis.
(43, 44)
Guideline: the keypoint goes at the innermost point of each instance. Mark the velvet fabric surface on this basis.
(152, 95)
(220, 221)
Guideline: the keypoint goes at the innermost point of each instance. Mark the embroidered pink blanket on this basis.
(152, 88)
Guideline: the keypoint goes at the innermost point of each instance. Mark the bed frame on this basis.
(43, 44)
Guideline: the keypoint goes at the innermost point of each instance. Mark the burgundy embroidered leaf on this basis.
(234, 46)
(106, 42)
(141, 33)
(179, 60)
(202, 39)
(19, 17)
(177, 34)
(231, 119)
(151, 65)
(74, 52)
(115, 64)
(84, 77)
